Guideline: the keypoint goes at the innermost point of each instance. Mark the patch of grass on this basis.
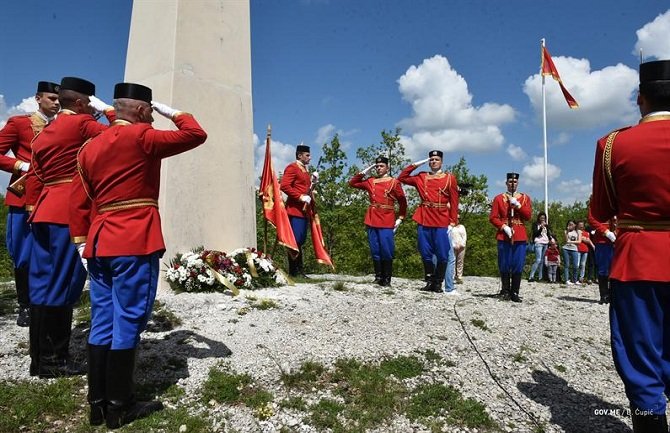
(519, 356)
(170, 420)
(7, 299)
(33, 406)
(324, 415)
(340, 286)
(243, 311)
(388, 292)
(82, 312)
(162, 319)
(296, 403)
(479, 323)
(265, 304)
(560, 368)
(435, 399)
(402, 367)
(231, 388)
(306, 377)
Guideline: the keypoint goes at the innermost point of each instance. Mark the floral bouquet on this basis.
(261, 268)
(202, 270)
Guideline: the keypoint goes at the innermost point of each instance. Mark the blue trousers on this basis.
(640, 338)
(123, 291)
(511, 257)
(451, 269)
(382, 243)
(57, 276)
(604, 254)
(19, 238)
(433, 241)
(299, 227)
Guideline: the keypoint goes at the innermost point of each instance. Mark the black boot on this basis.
(505, 290)
(648, 423)
(377, 264)
(387, 271)
(604, 289)
(122, 408)
(438, 278)
(428, 272)
(54, 344)
(292, 265)
(34, 338)
(301, 269)
(23, 296)
(514, 289)
(97, 371)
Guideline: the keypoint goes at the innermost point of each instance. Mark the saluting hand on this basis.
(164, 110)
(98, 105)
(418, 163)
(367, 170)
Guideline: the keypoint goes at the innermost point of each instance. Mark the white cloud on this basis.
(324, 134)
(605, 96)
(443, 115)
(516, 152)
(282, 155)
(570, 191)
(533, 173)
(27, 105)
(653, 38)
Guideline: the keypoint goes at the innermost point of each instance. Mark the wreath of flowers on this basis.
(201, 270)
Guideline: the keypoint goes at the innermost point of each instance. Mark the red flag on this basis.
(548, 68)
(319, 245)
(273, 205)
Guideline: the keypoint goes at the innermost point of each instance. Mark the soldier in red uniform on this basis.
(509, 213)
(631, 182)
(16, 136)
(56, 274)
(114, 221)
(296, 183)
(380, 219)
(436, 215)
(603, 238)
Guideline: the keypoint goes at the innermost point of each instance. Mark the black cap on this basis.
(77, 85)
(132, 91)
(658, 70)
(302, 148)
(47, 87)
(435, 153)
(512, 176)
(382, 159)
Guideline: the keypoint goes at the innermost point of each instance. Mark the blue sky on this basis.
(458, 75)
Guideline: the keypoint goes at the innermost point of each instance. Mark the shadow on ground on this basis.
(572, 410)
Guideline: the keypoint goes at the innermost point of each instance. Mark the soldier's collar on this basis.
(44, 117)
(66, 111)
(436, 172)
(656, 115)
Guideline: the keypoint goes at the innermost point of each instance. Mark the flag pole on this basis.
(265, 220)
(544, 137)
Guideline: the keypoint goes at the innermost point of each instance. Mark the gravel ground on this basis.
(545, 360)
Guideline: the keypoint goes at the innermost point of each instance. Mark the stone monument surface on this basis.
(196, 56)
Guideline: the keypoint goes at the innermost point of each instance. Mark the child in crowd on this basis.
(552, 259)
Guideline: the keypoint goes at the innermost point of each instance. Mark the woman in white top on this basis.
(570, 253)
(541, 234)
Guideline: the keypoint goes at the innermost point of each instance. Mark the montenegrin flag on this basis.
(320, 252)
(548, 68)
(273, 204)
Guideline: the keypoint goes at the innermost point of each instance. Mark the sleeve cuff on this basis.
(17, 166)
(79, 239)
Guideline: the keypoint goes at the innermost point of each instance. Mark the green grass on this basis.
(479, 323)
(265, 304)
(231, 388)
(307, 376)
(432, 356)
(560, 368)
(7, 299)
(435, 399)
(340, 286)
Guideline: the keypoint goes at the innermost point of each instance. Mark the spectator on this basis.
(541, 234)
(571, 253)
(459, 238)
(583, 249)
(552, 259)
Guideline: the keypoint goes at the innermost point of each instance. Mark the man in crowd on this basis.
(56, 274)
(297, 184)
(436, 215)
(380, 219)
(509, 213)
(16, 137)
(603, 238)
(630, 181)
(121, 241)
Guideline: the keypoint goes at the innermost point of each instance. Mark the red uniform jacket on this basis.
(383, 193)
(114, 199)
(600, 228)
(295, 182)
(630, 180)
(439, 197)
(54, 164)
(17, 136)
(502, 212)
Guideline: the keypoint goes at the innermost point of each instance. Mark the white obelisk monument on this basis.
(196, 56)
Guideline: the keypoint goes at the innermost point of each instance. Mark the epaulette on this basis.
(604, 137)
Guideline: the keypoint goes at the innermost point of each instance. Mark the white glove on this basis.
(367, 170)
(507, 230)
(98, 105)
(80, 250)
(449, 229)
(24, 166)
(163, 109)
(397, 223)
(306, 199)
(610, 235)
(514, 202)
(315, 177)
(418, 163)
